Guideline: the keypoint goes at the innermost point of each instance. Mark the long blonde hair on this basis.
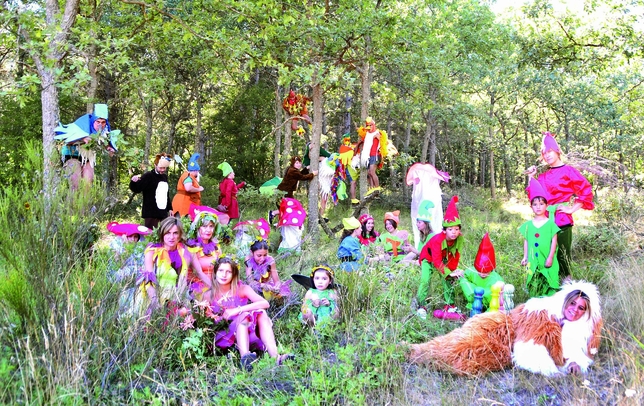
(572, 296)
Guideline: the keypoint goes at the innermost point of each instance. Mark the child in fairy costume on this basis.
(261, 272)
(250, 327)
(483, 275)
(321, 300)
(442, 254)
(540, 245)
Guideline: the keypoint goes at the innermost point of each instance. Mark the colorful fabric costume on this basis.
(323, 314)
(207, 254)
(169, 268)
(439, 256)
(291, 179)
(262, 274)
(350, 254)
(226, 338)
(156, 199)
(183, 199)
(425, 181)
(541, 281)
(392, 244)
(535, 337)
(228, 196)
(483, 275)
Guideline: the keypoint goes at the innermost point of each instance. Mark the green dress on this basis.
(322, 313)
(471, 280)
(541, 281)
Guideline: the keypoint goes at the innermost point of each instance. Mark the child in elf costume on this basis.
(540, 245)
(483, 275)
(228, 191)
(441, 254)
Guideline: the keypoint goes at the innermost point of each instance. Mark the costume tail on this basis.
(483, 344)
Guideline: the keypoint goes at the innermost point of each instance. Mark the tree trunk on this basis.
(50, 118)
(149, 117)
(364, 113)
(314, 153)
(200, 139)
(348, 100)
(277, 169)
(490, 137)
(288, 140)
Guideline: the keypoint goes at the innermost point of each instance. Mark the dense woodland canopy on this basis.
(452, 84)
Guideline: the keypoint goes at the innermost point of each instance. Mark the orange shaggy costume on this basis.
(534, 336)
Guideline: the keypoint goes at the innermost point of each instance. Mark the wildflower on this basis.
(629, 393)
(188, 322)
(27, 206)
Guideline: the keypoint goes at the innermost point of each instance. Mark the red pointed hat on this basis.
(451, 217)
(549, 143)
(485, 261)
(535, 189)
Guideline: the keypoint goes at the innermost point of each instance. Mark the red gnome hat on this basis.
(451, 217)
(535, 189)
(549, 143)
(485, 261)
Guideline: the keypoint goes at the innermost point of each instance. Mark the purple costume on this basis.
(262, 274)
(226, 338)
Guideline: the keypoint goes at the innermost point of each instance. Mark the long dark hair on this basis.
(345, 234)
(368, 234)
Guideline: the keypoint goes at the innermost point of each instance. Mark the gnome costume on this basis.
(483, 275)
(228, 192)
(183, 199)
(442, 256)
(349, 251)
(291, 222)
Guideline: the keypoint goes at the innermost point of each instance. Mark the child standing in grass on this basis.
(250, 327)
(540, 245)
(320, 302)
(441, 254)
(261, 272)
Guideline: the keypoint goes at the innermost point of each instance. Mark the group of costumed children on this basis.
(168, 267)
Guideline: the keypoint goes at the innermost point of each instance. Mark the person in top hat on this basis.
(228, 191)
(154, 187)
(483, 275)
(188, 188)
(568, 191)
(540, 245)
(442, 254)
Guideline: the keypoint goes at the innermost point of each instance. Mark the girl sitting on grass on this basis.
(349, 252)
(250, 327)
(321, 300)
(261, 272)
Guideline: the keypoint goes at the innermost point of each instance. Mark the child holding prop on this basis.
(483, 275)
(261, 272)
(540, 245)
(250, 327)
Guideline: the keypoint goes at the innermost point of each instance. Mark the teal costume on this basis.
(541, 281)
(322, 314)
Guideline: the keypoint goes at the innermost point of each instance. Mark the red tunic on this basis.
(560, 184)
(439, 253)
(228, 197)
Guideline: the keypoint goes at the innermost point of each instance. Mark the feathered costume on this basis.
(534, 336)
(330, 175)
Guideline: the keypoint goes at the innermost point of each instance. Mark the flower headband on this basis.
(323, 267)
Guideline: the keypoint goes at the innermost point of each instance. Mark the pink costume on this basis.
(226, 338)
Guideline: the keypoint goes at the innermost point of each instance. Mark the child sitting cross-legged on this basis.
(321, 300)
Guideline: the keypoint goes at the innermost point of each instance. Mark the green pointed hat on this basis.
(451, 217)
(425, 210)
(100, 111)
(225, 168)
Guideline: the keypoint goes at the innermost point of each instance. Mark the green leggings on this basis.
(423, 287)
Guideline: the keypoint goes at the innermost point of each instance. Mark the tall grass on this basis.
(62, 339)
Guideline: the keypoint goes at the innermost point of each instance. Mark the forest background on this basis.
(452, 83)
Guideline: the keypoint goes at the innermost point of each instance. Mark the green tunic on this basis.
(471, 280)
(541, 281)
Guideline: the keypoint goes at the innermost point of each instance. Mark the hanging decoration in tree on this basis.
(296, 106)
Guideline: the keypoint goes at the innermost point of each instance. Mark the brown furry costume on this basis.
(534, 336)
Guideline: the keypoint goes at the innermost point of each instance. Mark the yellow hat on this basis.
(350, 223)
